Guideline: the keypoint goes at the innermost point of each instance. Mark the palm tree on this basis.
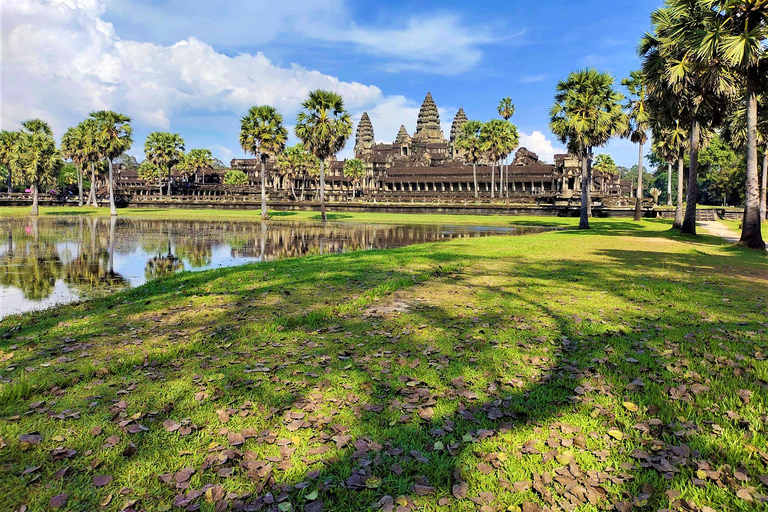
(114, 136)
(354, 169)
(323, 127)
(506, 110)
(199, 160)
(587, 114)
(736, 32)
(471, 146)
(263, 135)
(291, 163)
(35, 157)
(164, 150)
(72, 143)
(89, 154)
(701, 91)
(639, 124)
(499, 138)
(8, 141)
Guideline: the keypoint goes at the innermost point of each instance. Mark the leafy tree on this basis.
(76, 147)
(114, 136)
(149, 172)
(323, 126)
(639, 124)
(8, 142)
(354, 169)
(198, 160)
(506, 110)
(605, 164)
(498, 138)
(587, 114)
(471, 146)
(235, 177)
(291, 163)
(127, 161)
(35, 158)
(68, 176)
(165, 151)
(263, 135)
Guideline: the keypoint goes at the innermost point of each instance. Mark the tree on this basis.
(698, 91)
(114, 136)
(323, 126)
(35, 158)
(235, 177)
(291, 163)
(8, 142)
(498, 138)
(164, 150)
(354, 169)
(198, 160)
(587, 114)
(73, 144)
(639, 124)
(150, 172)
(506, 110)
(471, 146)
(604, 163)
(263, 135)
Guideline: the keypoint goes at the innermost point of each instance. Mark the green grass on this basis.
(476, 364)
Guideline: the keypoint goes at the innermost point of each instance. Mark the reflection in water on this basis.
(52, 261)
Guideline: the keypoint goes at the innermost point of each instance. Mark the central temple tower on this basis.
(428, 123)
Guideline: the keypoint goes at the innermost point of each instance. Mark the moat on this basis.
(50, 261)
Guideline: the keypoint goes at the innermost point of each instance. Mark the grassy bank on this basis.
(620, 367)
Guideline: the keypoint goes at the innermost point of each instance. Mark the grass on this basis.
(620, 367)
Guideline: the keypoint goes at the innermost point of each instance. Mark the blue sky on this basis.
(194, 66)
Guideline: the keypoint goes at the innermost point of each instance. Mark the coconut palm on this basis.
(164, 150)
(198, 160)
(262, 134)
(471, 146)
(354, 169)
(499, 138)
(114, 136)
(35, 158)
(736, 32)
(587, 114)
(639, 124)
(700, 90)
(323, 126)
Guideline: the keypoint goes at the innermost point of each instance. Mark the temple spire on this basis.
(459, 120)
(428, 123)
(364, 136)
(402, 136)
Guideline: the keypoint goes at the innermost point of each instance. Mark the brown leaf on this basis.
(171, 425)
(460, 490)
(183, 475)
(59, 500)
(314, 506)
(101, 480)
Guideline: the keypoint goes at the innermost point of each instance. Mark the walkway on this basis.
(717, 228)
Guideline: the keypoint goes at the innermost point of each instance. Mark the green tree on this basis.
(149, 172)
(604, 163)
(639, 124)
(499, 138)
(263, 135)
(587, 113)
(354, 169)
(165, 151)
(114, 136)
(198, 160)
(8, 142)
(471, 146)
(72, 147)
(292, 163)
(323, 126)
(235, 177)
(35, 158)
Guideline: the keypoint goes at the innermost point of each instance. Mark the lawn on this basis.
(622, 368)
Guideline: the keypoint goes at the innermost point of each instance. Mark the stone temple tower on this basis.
(459, 120)
(364, 139)
(428, 123)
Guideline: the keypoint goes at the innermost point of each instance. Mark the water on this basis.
(50, 261)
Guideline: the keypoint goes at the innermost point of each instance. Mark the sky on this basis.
(194, 67)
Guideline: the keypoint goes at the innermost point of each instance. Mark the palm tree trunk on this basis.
(589, 182)
(763, 189)
(639, 199)
(35, 207)
(689, 222)
(293, 190)
(474, 176)
(264, 212)
(79, 184)
(322, 191)
(112, 209)
(303, 186)
(669, 183)
(501, 179)
(92, 195)
(170, 175)
(678, 222)
(751, 235)
(584, 220)
(493, 178)
(10, 179)
(160, 181)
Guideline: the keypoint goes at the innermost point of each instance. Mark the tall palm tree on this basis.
(499, 138)
(35, 158)
(736, 32)
(164, 150)
(587, 113)
(198, 160)
(89, 154)
(8, 141)
(639, 124)
(354, 169)
(471, 146)
(291, 164)
(114, 136)
(701, 90)
(323, 126)
(263, 135)
(72, 143)
(506, 110)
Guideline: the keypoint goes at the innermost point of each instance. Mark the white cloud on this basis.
(532, 79)
(539, 144)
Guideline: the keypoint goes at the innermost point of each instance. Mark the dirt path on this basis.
(717, 228)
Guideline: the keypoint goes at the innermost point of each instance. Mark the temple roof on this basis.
(364, 135)
(402, 136)
(458, 121)
(428, 123)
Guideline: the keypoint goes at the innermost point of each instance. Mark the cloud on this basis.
(539, 144)
(531, 79)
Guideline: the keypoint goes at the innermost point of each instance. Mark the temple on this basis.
(423, 166)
